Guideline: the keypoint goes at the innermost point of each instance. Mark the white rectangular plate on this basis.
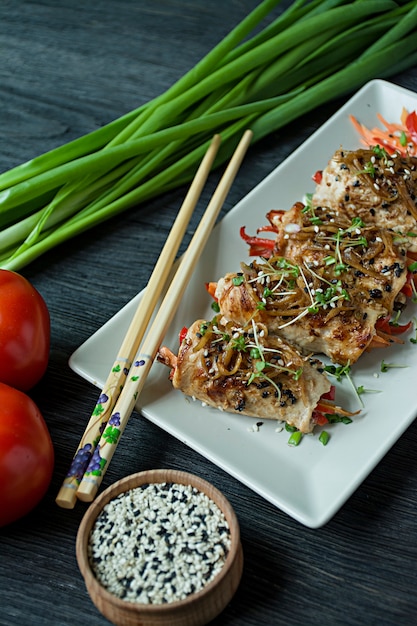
(309, 482)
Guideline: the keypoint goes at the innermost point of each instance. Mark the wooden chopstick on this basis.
(139, 371)
(67, 497)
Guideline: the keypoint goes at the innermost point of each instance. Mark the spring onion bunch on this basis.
(313, 52)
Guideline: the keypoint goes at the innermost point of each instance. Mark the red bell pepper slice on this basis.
(258, 246)
(318, 176)
(182, 334)
(384, 325)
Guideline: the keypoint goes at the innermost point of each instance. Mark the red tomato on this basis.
(24, 332)
(26, 455)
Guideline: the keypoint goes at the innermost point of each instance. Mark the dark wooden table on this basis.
(69, 67)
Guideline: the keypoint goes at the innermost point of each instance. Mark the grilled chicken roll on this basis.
(316, 319)
(248, 371)
(370, 184)
(363, 257)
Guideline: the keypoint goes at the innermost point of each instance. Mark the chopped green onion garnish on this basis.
(295, 438)
(324, 437)
(289, 428)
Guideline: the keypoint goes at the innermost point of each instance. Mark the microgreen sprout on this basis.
(310, 211)
(413, 268)
(387, 366)
(357, 222)
(342, 237)
(257, 351)
(414, 339)
(289, 268)
(344, 371)
(239, 343)
(338, 371)
(395, 320)
(368, 169)
(381, 153)
(328, 297)
(414, 290)
(361, 390)
(279, 270)
(215, 330)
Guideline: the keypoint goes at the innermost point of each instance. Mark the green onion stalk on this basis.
(310, 54)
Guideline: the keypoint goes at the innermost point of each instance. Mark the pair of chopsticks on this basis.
(130, 369)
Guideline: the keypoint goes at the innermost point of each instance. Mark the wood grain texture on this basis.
(66, 68)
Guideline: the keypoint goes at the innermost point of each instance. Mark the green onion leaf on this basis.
(260, 75)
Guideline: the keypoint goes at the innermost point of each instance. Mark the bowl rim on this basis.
(136, 480)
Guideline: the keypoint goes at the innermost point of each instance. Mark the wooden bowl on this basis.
(196, 609)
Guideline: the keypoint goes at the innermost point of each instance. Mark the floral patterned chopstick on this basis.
(67, 495)
(138, 373)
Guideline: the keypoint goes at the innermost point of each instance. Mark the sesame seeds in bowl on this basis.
(160, 547)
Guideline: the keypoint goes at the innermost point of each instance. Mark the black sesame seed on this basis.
(376, 294)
